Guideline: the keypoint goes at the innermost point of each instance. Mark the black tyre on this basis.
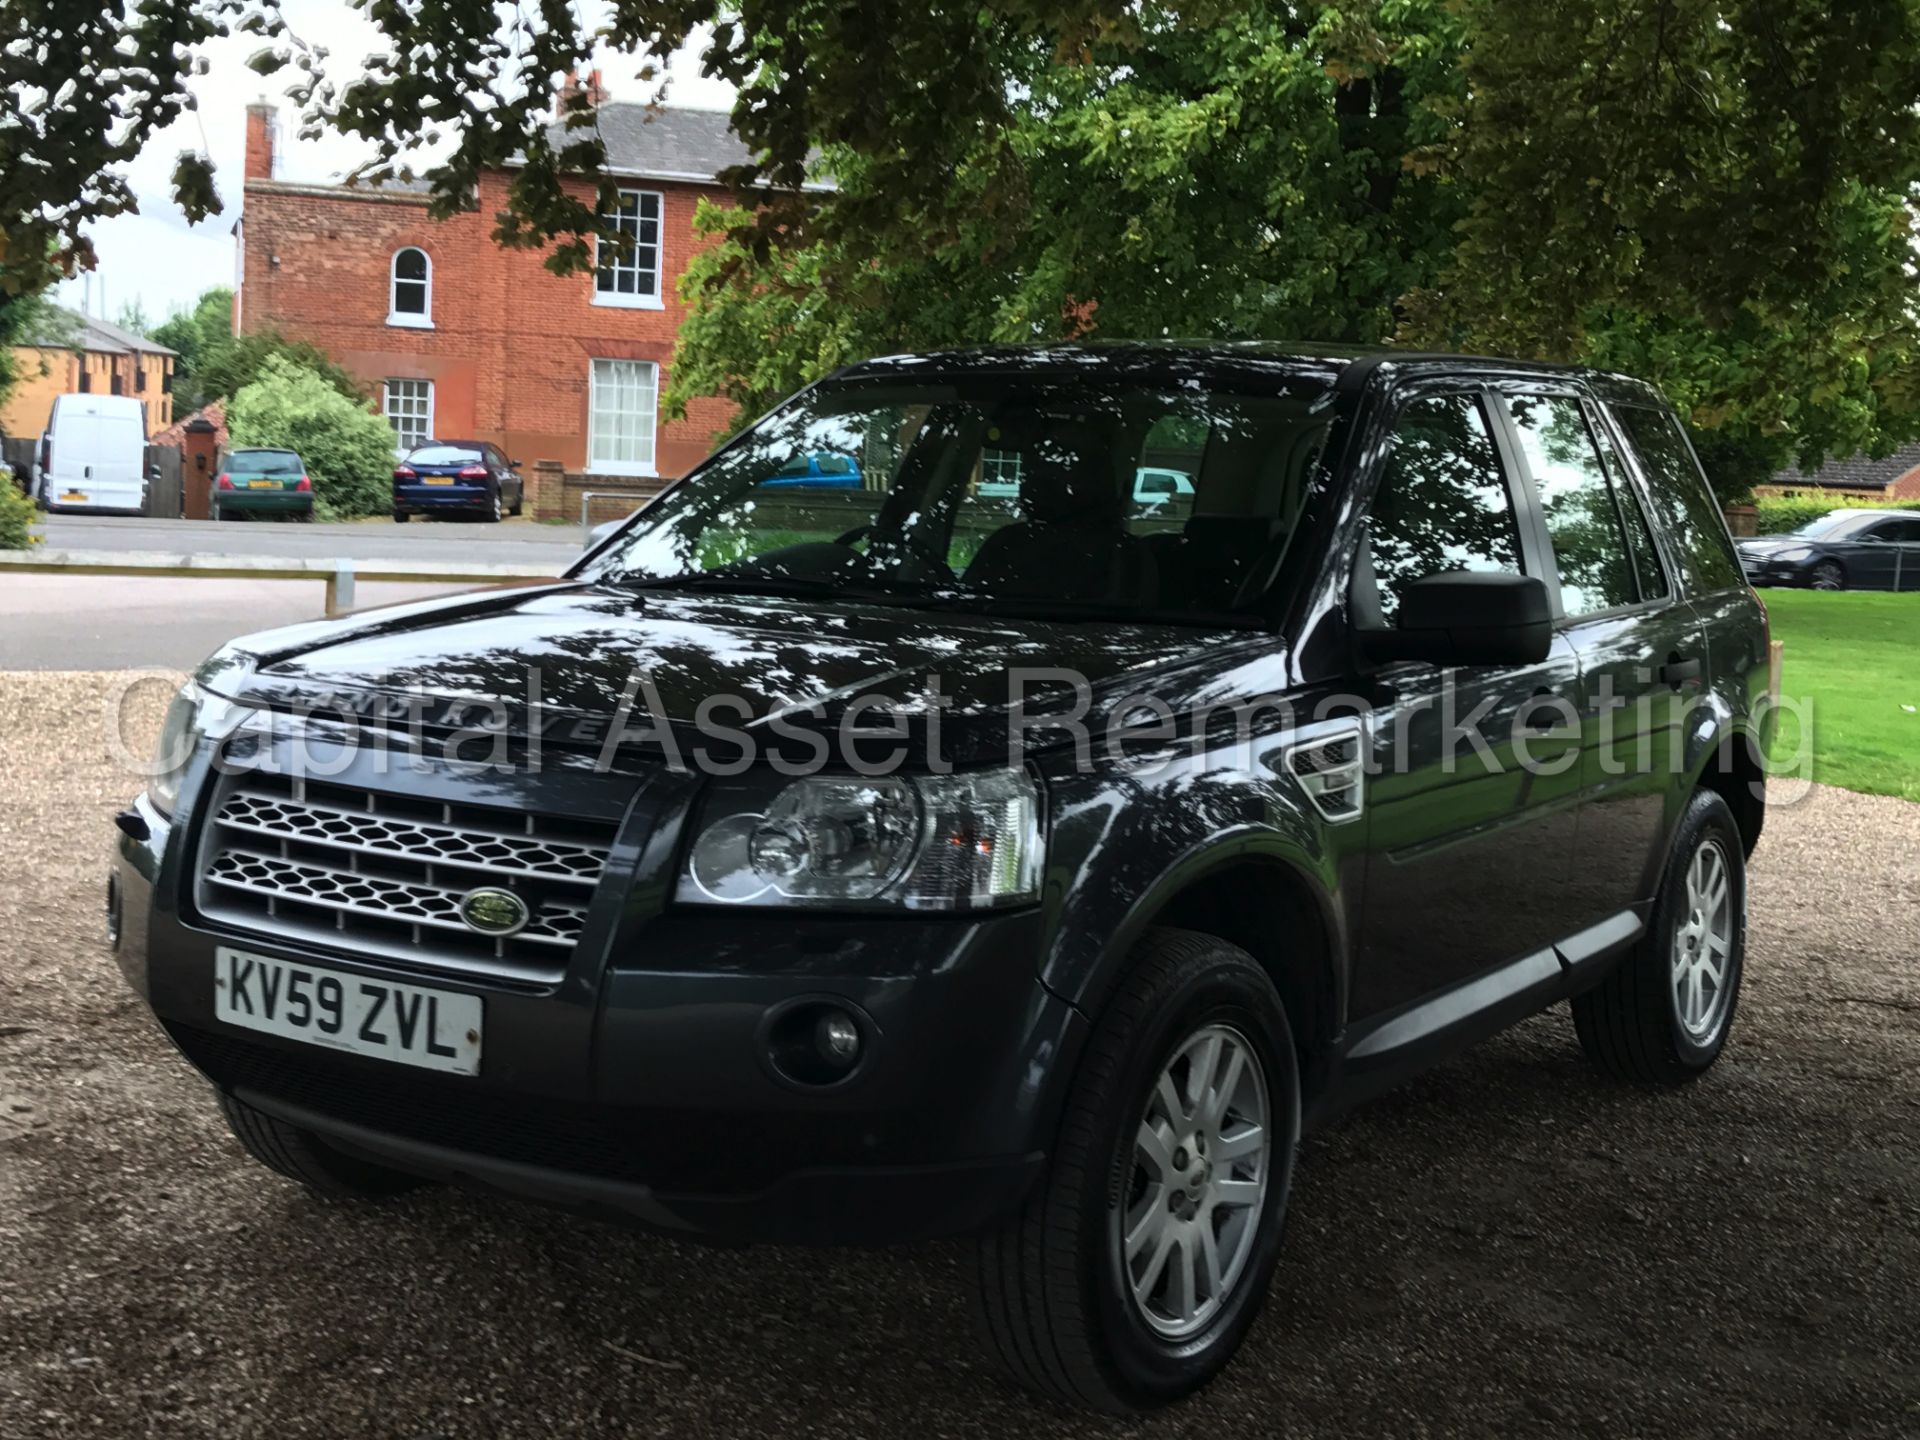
(400, 517)
(1132, 1273)
(1663, 1015)
(494, 510)
(301, 1155)
(1829, 575)
(519, 502)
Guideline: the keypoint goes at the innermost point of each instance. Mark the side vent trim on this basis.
(1330, 769)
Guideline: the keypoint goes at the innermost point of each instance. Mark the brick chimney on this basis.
(263, 129)
(594, 91)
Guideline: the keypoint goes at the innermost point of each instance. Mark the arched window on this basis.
(410, 299)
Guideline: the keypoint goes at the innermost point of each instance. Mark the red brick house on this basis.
(460, 338)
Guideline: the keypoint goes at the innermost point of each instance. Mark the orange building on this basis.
(458, 337)
(92, 357)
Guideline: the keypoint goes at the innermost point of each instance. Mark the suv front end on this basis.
(792, 1069)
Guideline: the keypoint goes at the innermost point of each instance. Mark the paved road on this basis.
(52, 622)
(512, 541)
(55, 622)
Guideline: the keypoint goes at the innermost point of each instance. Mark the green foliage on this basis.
(1851, 656)
(348, 449)
(1666, 191)
(195, 333)
(17, 516)
(1709, 193)
(1776, 514)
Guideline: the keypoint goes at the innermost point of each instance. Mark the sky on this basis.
(156, 259)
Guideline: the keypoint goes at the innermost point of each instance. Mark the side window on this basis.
(1633, 513)
(1443, 503)
(1892, 532)
(1583, 521)
(1681, 497)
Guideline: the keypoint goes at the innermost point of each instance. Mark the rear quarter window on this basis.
(1681, 498)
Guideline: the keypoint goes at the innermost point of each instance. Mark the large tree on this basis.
(1714, 192)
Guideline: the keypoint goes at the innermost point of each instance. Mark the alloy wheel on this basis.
(1703, 945)
(1829, 576)
(1197, 1182)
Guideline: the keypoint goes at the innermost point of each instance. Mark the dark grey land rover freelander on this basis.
(945, 843)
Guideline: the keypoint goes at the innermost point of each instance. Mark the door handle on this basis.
(1677, 672)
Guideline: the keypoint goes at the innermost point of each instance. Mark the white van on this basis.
(93, 455)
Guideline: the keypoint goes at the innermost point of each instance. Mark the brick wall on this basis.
(511, 344)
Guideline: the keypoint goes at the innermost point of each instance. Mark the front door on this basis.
(1473, 795)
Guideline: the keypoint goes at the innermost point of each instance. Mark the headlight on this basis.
(954, 842)
(1792, 552)
(195, 712)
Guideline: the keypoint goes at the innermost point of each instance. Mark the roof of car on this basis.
(1166, 359)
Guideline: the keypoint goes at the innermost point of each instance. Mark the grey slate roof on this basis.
(88, 333)
(1859, 472)
(665, 143)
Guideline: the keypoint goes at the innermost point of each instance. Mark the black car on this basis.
(1854, 549)
(870, 864)
(457, 477)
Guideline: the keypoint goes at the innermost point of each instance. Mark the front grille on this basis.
(380, 873)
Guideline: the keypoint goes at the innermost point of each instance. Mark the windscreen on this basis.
(1835, 525)
(997, 492)
(265, 462)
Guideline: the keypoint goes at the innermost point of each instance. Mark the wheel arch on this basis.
(1733, 769)
(1253, 891)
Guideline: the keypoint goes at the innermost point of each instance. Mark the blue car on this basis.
(469, 478)
(823, 471)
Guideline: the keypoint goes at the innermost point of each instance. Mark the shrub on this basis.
(16, 515)
(347, 448)
(1775, 514)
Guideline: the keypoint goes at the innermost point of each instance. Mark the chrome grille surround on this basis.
(371, 872)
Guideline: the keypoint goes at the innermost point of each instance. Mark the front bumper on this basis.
(1762, 572)
(649, 1099)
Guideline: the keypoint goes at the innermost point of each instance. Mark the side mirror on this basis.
(1468, 618)
(513, 464)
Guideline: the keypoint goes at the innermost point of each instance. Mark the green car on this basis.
(262, 482)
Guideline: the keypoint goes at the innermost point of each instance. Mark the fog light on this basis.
(838, 1039)
(816, 1041)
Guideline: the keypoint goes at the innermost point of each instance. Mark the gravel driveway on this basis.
(1507, 1246)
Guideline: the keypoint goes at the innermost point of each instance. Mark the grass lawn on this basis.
(1856, 657)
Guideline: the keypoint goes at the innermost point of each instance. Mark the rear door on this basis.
(1470, 845)
(1642, 654)
(98, 451)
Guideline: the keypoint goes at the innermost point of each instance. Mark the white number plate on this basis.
(436, 1029)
